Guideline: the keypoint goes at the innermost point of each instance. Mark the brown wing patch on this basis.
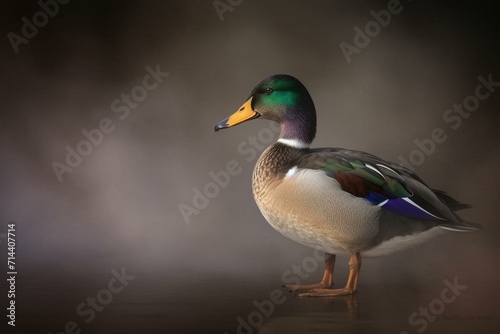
(356, 185)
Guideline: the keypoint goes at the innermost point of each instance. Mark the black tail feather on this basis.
(452, 203)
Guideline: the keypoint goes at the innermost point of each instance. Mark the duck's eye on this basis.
(269, 90)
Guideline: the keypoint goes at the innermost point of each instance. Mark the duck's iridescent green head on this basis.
(281, 98)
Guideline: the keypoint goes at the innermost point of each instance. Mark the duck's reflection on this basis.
(349, 303)
(340, 313)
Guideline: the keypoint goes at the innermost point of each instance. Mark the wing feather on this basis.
(386, 184)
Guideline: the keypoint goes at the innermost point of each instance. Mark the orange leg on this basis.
(350, 287)
(326, 281)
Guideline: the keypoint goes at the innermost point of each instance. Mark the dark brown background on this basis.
(120, 207)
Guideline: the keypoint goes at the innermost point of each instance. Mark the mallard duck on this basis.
(336, 200)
